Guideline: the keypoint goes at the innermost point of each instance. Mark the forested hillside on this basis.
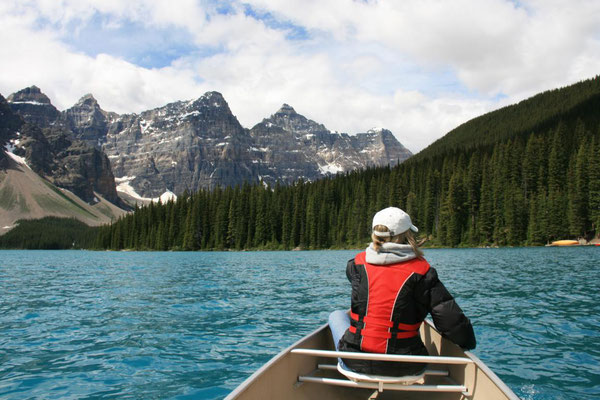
(523, 175)
(539, 113)
(50, 233)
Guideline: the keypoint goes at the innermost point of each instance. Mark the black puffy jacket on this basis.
(389, 302)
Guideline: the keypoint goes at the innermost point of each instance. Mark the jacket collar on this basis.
(389, 253)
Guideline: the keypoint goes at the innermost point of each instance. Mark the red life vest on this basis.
(382, 320)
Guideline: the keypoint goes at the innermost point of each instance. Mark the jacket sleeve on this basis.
(351, 270)
(447, 316)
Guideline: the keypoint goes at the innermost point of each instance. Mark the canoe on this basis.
(565, 243)
(297, 374)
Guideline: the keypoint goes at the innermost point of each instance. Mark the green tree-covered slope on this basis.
(49, 233)
(539, 113)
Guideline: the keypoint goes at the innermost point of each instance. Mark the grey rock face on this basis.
(10, 123)
(189, 145)
(34, 106)
(181, 146)
(291, 146)
(88, 121)
(54, 153)
(200, 144)
(380, 147)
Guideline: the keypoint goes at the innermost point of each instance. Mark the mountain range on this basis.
(183, 146)
(188, 145)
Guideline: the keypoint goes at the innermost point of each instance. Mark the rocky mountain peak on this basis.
(34, 106)
(211, 99)
(387, 134)
(88, 121)
(384, 134)
(50, 148)
(214, 96)
(286, 109)
(289, 120)
(88, 100)
(376, 130)
(31, 95)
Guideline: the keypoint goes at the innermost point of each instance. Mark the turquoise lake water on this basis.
(78, 324)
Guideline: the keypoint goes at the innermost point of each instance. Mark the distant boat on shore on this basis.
(565, 243)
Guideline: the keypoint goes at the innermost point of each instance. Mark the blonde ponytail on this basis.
(403, 238)
(413, 243)
(378, 240)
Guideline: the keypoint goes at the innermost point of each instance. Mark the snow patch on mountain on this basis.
(10, 148)
(19, 160)
(35, 103)
(124, 186)
(330, 169)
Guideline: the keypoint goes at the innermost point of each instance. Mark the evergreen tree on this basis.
(260, 226)
(594, 183)
(473, 184)
(578, 210)
(232, 222)
(161, 237)
(430, 203)
(295, 236)
(558, 161)
(515, 216)
(486, 207)
(286, 222)
(190, 237)
(456, 210)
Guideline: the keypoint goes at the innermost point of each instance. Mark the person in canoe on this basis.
(393, 290)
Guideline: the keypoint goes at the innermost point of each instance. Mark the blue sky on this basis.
(131, 41)
(416, 67)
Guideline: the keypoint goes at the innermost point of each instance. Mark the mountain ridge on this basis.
(199, 143)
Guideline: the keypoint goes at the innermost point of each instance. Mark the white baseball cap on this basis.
(396, 220)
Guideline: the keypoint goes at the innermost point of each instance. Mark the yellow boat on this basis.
(308, 370)
(565, 243)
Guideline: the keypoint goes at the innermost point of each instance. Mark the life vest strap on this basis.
(385, 335)
(382, 328)
(409, 327)
(407, 335)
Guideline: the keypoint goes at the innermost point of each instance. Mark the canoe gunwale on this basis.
(492, 376)
(244, 385)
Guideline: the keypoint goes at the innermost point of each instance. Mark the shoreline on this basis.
(590, 244)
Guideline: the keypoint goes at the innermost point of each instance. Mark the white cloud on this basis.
(418, 68)
(494, 46)
(65, 75)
